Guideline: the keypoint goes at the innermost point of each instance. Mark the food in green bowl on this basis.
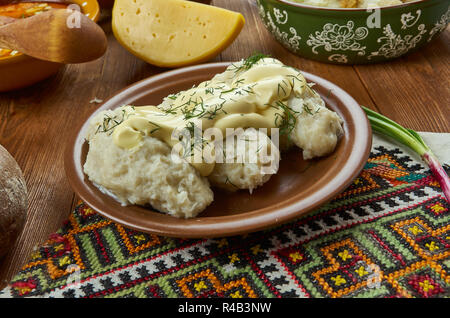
(354, 35)
(352, 3)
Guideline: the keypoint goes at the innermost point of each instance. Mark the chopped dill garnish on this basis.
(197, 110)
(249, 62)
(247, 139)
(157, 127)
(228, 181)
(110, 123)
(249, 89)
(252, 60)
(169, 110)
(282, 88)
(285, 122)
(196, 141)
(220, 87)
(212, 113)
(228, 91)
(294, 78)
(191, 128)
(309, 110)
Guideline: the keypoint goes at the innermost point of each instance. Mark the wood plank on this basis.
(35, 122)
(414, 90)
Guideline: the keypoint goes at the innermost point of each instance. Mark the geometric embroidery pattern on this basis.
(386, 235)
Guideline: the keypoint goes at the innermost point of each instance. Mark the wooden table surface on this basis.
(36, 121)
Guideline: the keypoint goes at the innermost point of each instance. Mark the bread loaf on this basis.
(13, 201)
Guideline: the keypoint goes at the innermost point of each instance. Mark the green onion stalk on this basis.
(411, 139)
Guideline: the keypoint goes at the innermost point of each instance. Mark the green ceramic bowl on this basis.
(354, 36)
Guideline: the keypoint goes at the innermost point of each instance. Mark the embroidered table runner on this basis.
(387, 235)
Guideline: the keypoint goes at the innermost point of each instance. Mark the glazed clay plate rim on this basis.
(142, 219)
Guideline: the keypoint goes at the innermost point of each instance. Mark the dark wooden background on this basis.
(36, 121)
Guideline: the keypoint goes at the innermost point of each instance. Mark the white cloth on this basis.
(439, 143)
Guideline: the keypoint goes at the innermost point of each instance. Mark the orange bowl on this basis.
(108, 4)
(21, 70)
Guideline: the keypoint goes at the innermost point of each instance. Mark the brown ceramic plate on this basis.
(298, 188)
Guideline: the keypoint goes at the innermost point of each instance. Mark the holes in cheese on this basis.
(173, 33)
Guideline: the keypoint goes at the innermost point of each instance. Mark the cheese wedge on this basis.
(174, 33)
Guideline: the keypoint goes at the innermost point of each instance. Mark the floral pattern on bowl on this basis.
(354, 36)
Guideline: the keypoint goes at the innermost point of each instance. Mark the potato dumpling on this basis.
(147, 176)
(317, 129)
(233, 176)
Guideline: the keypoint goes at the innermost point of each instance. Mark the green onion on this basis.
(412, 139)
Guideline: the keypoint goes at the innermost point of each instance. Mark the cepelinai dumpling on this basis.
(242, 174)
(317, 128)
(146, 176)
